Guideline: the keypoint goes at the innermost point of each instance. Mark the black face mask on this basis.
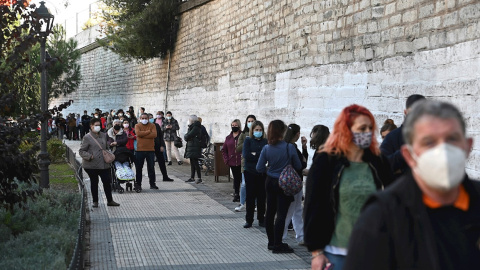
(235, 129)
(116, 127)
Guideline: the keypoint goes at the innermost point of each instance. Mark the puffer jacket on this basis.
(91, 153)
(193, 149)
(170, 133)
(230, 156)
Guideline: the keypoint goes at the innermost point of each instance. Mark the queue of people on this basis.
(404, 204)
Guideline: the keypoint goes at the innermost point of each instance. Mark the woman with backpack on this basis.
(193, 150)
(344, 174)
(278, 154)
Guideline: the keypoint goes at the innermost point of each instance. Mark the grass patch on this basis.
(62, 177)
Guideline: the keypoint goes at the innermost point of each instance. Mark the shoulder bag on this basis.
(178, 141)
(289, 181)
(108, 156)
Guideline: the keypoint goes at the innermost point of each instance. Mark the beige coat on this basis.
(91, 153)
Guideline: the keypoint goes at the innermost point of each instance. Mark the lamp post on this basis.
(46, 19)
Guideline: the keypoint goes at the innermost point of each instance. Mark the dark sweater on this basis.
(397, 231)
(391, 150)
(251, 146)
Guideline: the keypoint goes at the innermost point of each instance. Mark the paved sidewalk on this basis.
(180, 226)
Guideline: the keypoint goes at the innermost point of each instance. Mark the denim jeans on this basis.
(243, 191)
(140, 157)
(337, 260)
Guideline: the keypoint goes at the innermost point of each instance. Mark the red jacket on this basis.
(130, 142)
(230, 156)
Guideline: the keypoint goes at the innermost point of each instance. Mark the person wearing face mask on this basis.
(116, 136)
(246, 131)
(130, 135)
(295, 210)
(233, 158)
(93, 163)
(193, 150)
(170, 128)
(344, 174)
(430, 217)
(146, 133)
(254, 181)
(130, 114)
(160, 149)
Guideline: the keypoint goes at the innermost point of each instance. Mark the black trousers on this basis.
(237, 178)
(140, 157)
(195, 166)
(255, 187)
(161, 162)
(106, 177)
(277, 205)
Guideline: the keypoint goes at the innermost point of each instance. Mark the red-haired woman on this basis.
(343, 175)
(278, 154)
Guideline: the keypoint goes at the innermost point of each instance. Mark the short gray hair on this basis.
(192, 119)
(117, 121)
(435, 108)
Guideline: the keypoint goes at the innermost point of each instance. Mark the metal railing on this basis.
(77, 261)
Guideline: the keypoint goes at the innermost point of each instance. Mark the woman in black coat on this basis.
(193, 150)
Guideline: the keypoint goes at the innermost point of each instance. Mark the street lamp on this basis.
(46, 20)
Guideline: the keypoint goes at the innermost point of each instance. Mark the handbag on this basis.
(289, 181)
(108, 156)
(178, 141)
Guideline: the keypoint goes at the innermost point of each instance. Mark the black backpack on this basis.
(204, 138)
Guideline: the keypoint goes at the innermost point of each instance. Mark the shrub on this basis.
(43, 234)
(56, 149)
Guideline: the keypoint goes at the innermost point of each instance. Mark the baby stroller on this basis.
(122, 170)
(207, 159)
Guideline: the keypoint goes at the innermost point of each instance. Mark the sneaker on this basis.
(169, 163)
(190, 180)
(167, 180)
(112, 203)
(255, 209)
(95, 204)
(247, 225)
(199, 181)
(180, 162)
(261, 223)
(153, 187)
(282, 248)
(240, 208)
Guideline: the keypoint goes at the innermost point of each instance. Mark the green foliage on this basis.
(56, 149)
(140, 29)
(43, 234)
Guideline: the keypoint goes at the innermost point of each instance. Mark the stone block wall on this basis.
(301, 61)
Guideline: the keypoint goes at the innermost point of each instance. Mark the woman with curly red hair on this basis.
(344, 174)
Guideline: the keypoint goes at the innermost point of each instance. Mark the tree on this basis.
(139, 29)
(19, 99)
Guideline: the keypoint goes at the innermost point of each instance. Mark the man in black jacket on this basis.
(85, 123)
(159, 149)
(394, 140)
(429, 218)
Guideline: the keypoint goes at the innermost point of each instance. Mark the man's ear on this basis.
(469, 146)
(407, 155)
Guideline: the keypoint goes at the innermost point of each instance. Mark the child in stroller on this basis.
(122, 169)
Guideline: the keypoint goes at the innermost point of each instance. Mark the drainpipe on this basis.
(168, 80)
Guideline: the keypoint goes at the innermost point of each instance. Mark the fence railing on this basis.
(77, 261)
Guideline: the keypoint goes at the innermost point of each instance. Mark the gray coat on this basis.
(91, 153)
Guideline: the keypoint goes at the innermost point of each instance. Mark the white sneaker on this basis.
(255, 209)
(240, 208)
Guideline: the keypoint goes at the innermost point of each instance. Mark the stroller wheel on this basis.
(121, 191)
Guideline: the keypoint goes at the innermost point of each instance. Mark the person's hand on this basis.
(304, 142)
(130, 136)
(162, 149)
(305, 172)
(320, 262)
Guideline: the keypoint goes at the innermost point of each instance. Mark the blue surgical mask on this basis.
(249, 124)
(151, 120)
(257, 134)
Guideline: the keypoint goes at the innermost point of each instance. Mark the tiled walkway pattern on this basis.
(180, 226)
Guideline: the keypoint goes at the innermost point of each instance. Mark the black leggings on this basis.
(277, 204)
(195, 166)
(106, 177)
(237, 178)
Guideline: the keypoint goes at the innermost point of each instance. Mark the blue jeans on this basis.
(243, 191)
(140, 157)
(336, 260)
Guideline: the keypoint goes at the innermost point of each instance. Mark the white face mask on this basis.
(144, 121)
(442, 167)
(159, 116)
(96, 129)
(125, 125)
